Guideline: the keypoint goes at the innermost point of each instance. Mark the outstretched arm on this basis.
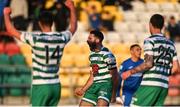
(73, 18)
(9, 27)
(147, 64)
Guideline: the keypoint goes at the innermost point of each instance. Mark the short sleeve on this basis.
(148, 47)
(28, 38)
(67, 35)
(110, 60)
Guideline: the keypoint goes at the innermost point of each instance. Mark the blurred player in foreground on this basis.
(47, 47)
(160, 62)
(131, 84)
(100, 89)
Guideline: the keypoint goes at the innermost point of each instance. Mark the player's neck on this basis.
(134, 59)
(46, 29)
(156, 31)
(98, 48)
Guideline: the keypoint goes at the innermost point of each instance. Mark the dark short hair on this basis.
(46, 18)
(98, 34)
(157, 21)
(134, 45)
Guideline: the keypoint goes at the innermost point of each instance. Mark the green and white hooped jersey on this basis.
(105, 61)
(163, 52)
(47, 49)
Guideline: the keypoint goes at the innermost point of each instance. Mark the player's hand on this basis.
(79, 91)
(7, 10)
(69, 4)
(125, 75)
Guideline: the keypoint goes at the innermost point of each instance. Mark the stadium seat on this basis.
(65, 80)
(65, 92)
(129, 37)
(173, 92)
(84, 48)
(177, 6)
(120, 48)
(1, 48)
(121, 26)
(152, 7)
(173, 81)
(82, 80)
(138, 6)
(28, 58)
(120, 58)
(113, 37)
(81, 37)
(25, 49)
(81, 60)
(5, 65)
(67, 60)
(141, 36)
(12, 49)
(136, 27)
(19, 63)
(18, 59)
(95, 3)
(72, 48)
(15, 80)
(130, 16)
(167, 7)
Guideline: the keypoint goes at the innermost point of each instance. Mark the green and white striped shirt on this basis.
(105, 61)
(163, 52)
(47, 49)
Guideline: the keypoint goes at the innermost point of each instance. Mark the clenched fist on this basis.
(7, 10)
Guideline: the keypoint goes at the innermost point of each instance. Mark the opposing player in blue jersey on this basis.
(132, 83)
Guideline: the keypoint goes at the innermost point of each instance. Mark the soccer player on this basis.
(101, 86)
(47, 49)
(131, 84)
(160, 61)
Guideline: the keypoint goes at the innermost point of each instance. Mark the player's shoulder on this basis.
(106, 51)
(127, 61)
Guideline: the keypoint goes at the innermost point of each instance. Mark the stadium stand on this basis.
(130, 27)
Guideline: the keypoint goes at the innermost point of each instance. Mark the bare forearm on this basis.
(10, 28)
(115, 81)
(88, 84)
(144, 66)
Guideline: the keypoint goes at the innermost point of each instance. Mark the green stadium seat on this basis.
(19, 62)
(15, 80)
(5, 64)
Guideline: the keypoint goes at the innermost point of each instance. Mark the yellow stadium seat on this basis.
(161, 1)
(65, 80)
(72, 48)
(25, 49)
(120, 58)
(82, 80)
(81, 60)
(28, 58)
(95, 3)
(67, 61)
(65, 92)
(120, 48)
(84, 48)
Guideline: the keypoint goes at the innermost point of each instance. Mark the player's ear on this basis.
(97, 41)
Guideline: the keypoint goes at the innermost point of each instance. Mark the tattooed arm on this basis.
(148, 63)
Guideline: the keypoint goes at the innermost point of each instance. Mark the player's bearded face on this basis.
(92, 45)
